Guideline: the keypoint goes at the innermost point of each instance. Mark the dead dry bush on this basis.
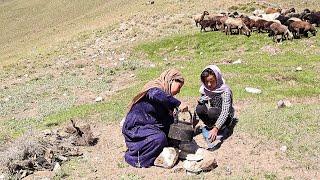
(43, 151)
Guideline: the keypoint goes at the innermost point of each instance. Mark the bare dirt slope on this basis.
(239, 156)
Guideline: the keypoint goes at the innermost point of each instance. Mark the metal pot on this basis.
(181, 130)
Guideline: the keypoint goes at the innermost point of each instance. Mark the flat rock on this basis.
(194, 157)
(237, 61)
(253, 90)
(167, 158)
(99, 99)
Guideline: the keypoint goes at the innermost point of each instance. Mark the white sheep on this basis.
(269, 17)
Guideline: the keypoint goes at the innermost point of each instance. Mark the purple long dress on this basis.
(146, 127)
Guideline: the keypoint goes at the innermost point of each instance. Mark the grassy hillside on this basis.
(57, 56)
(38, 26)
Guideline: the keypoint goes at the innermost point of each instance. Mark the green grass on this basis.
(259, 69)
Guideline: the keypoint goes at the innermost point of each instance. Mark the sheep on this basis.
(222, 22)
(215, 20)
(207, 23)
(269, 17)
(266, 25)
(280, 32)
(250, 23)
(282, 18)
(255, 18)
(257, 12)
(301, 27)
(236, 23)
(271, 10)
(294, 19)
(313, 18)
(260, 24)
(287, 11)
(199, 17)
(297, 15)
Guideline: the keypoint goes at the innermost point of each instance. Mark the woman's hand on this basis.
(213, 134)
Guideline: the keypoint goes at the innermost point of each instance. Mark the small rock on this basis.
(150, 2)
(57, 168)
(299, 68)
(99, 99)
(152, 65)
(192, 166)
(122, 59)
(177, 169)
(123, 27)
(62, 158)
(47, 132)
(194, 157)
(283, 149)
(237, 61)
(64, 94)
(228, 170)
(283, 103)
(201, 53)
(132, 75)
(24, 173)
(253, 90)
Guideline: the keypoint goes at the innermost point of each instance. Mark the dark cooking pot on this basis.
(181, 130)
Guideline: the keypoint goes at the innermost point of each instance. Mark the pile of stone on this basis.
(194, 159)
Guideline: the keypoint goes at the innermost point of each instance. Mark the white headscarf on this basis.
(220, 87)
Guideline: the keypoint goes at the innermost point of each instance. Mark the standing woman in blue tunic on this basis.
(147, 123)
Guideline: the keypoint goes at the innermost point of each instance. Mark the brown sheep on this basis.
(199, 17)
(216, 21)
(250, 23)
(280, 32)
(207, 23)
(271, 10)
(260, 24)
(301, 27)
(236, 23)
(222, 22)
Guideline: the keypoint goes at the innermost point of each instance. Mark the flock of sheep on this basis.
(279, 23)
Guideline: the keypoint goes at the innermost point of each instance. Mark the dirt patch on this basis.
(242, 155)
(271, 50)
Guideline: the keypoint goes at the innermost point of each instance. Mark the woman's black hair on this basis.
(206, 73)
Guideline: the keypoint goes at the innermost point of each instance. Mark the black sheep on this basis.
(313, 18)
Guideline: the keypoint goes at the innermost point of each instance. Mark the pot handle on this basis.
(176, 116)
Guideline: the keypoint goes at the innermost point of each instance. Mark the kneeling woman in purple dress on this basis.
(146, 125)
